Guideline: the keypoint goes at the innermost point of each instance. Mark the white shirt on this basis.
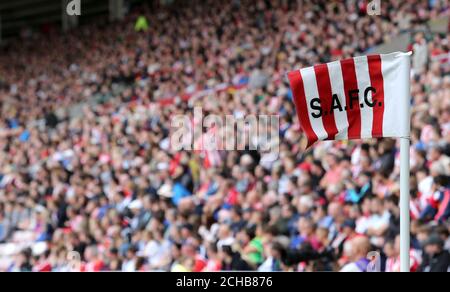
(351, 268)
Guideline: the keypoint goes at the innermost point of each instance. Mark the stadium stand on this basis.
(86, 165)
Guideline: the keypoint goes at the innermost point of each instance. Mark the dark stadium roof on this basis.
(18, 14)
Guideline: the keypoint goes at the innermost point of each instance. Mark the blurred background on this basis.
(88, 180)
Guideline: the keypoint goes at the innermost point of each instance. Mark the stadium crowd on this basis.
(103, 181)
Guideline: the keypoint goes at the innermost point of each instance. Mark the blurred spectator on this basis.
(358, 249)
(436, 259)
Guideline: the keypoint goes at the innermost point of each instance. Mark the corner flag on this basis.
(360, 98)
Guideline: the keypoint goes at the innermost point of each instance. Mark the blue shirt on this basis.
(179, 192)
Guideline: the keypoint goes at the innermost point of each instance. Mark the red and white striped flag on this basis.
(360, 98)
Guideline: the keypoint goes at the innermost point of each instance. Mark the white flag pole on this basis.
(404, 205)
(405, 143)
